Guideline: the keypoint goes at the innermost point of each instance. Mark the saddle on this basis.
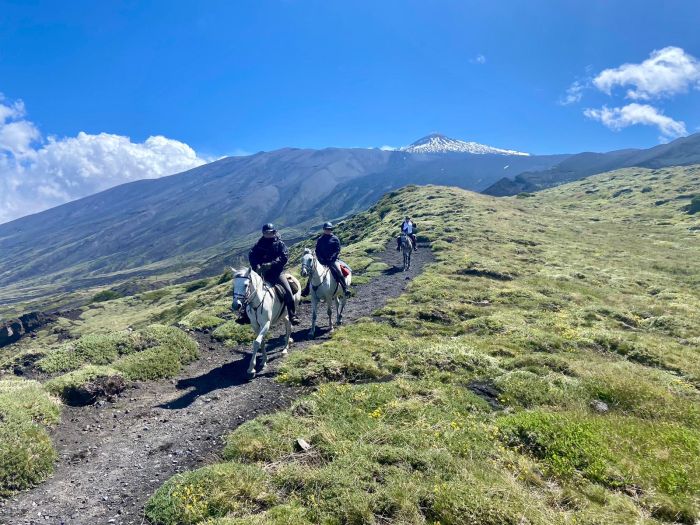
(292, 284)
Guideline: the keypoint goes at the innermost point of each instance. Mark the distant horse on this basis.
(407, 250)
(324, 287)
(265, 309)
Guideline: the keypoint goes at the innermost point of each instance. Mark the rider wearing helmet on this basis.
(327, 252)
(408, 227)
(268, 257)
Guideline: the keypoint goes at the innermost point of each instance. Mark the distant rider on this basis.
(327, 252)
(268, 258)
(408, 228)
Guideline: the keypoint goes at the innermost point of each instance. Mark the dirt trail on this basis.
(113, 456)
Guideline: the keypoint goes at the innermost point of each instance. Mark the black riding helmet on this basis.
(328, 226)
(268, 228)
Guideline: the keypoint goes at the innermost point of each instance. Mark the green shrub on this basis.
(26, 452)
(565, 445)
(95, 349)
(29, 399)
(200, 320)
(155, 363)
(657, 459)
(226, 489)
(196, 285)
(105, 295)
(173, 350)
(233, 334)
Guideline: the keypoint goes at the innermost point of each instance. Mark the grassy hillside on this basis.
(544, 370)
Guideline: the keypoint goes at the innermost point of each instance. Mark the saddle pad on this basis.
(344, 268)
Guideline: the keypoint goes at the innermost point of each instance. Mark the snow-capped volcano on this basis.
(436, 143)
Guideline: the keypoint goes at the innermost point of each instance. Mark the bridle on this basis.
(322, 277)
(309, 268)
(246, 297)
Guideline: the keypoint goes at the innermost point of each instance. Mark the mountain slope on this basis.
(175, 223)
(680, 152)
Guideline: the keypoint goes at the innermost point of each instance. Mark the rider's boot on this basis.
(398, 244)
(292, 311)
(307, 289)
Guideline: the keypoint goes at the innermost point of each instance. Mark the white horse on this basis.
(264, 308)
(324, 287)
(407, 250)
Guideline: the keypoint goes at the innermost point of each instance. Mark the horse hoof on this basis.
(291, 340)
(251, 375)
(285, 351)
(311, 334)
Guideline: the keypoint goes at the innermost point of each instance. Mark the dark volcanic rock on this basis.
(13, 329)
(102, 387)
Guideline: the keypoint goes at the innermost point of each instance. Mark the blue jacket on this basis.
(327, 249)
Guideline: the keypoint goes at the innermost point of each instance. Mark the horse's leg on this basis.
(341, 307)
(258, 344)
(337, 301)
(329, 310)
(288, 329)
(314, 312)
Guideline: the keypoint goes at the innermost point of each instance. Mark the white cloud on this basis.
(388, 148)
(666, 72)
(37, 174)
(478, 59)
(573, 93)
(631, 114)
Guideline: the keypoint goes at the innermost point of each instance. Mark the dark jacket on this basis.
(327, 249)
(269, 251)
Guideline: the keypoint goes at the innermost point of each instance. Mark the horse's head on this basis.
(307, 261)
(242, 289)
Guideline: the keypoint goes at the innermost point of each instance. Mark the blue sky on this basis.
(227, 77)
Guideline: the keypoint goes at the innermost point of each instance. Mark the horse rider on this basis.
(268, 258)
(407, 227)
(327, 252)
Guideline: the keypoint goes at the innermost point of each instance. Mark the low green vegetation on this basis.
(233, 334)
(154, 352)
(26, 452)
(105, 295)
(543, 370)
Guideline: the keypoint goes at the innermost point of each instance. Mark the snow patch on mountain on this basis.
(437, 143)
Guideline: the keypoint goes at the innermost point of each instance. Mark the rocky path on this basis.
(113, 456)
